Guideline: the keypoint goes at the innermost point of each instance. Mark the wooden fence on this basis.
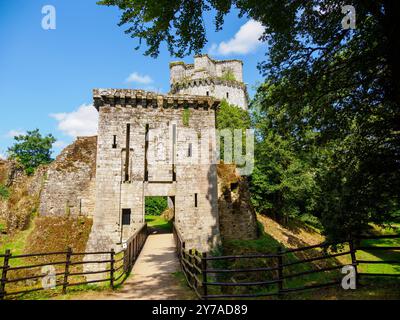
(201, 275)
(68, 266)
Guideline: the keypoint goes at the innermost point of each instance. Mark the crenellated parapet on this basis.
(141, 98)
(207, 82)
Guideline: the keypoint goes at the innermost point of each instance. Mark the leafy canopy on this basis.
(32, 149)
(155, 206)
(232, 117)
(330, 102)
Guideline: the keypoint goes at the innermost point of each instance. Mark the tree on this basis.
(155, 206)
(300, 33)
(339, 85)
(283, 181)
(32, 149)
(232, 117)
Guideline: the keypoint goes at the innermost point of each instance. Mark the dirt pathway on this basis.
(152, 276)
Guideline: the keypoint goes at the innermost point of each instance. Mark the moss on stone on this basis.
(186, 116)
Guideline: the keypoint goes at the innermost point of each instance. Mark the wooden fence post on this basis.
(204, 269)
(4, 274)
(66, 271)
(280, 269)
(112, 268)
(192, 279)
(354, 259)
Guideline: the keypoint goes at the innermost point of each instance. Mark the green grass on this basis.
(56, 294)
(158, 222)
(371, 288)
(16, 244)
(4, 192)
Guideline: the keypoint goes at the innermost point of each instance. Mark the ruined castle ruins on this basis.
(152, 144)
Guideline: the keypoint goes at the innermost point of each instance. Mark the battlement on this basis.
(134, 98)
(205, 67)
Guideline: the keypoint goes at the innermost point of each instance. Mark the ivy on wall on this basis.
(186, 116)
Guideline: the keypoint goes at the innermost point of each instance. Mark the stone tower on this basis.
(222, 79)
(154, 145)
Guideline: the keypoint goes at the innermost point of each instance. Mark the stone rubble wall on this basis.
(24, 192)
(237, 217)
(70, 183)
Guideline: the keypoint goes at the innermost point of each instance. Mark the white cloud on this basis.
(82, 122)
(2, 156)
(138, 78)
(13, 133)
(246, 40)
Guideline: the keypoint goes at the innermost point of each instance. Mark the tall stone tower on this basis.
(221, 79)
(150, 144)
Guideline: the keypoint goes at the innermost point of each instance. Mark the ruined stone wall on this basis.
(70, 181)
(237, 218)
(4, 172)
(23, 194)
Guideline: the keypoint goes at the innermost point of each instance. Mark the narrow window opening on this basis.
(190, 150)
(207, 93)
(114, 145)
(173, 152)
(227, 95)
(195, 200)
(146, 148)
(127, 149)
(126, 217)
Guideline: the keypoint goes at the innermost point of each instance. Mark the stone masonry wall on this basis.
(70, 183)
(218, 89)
(117, 108)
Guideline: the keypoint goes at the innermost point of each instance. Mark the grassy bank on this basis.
(297, 235)
(158, 222)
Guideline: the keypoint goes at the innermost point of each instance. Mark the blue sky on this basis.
(47, 76)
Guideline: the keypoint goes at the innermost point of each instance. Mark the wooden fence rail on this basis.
(110, 264)
(195, 267)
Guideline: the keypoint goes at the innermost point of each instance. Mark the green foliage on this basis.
(32, 149)
(155, 206)
(232, 117)
(228, 75)
(283, 181)
(330, 106)
(186, 117)
(4, 192)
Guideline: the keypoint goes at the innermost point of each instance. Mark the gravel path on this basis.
(152, 275)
